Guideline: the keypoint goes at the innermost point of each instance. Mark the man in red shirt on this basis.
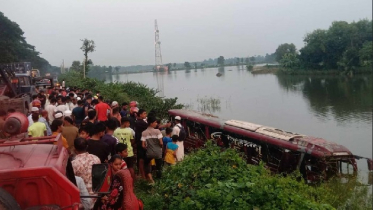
(102, 110)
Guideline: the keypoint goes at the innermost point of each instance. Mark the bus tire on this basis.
(7, 202)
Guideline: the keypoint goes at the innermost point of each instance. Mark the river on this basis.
(336, 108)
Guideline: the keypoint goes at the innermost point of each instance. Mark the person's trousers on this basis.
(158, 166)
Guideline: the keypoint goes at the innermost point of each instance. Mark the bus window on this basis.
(274, 156)
(346, 168)
(289, 161)
(250, 147)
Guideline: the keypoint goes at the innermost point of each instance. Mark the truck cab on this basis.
(35, 173)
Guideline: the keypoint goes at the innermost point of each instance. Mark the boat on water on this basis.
(282, 151)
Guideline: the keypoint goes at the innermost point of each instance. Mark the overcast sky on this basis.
(190, 30)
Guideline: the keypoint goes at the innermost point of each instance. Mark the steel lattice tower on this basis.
(158, 61)
(158, 53)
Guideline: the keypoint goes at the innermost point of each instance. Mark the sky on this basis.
(190, 30)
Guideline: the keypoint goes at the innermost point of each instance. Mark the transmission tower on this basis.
(158, 53)
(158, 61)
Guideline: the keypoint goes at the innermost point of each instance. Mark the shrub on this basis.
(213, 178)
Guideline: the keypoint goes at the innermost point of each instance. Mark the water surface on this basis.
(336, 108)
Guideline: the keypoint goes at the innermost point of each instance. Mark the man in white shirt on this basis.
(29, 118)
(50, 109)
(73, 104)
(62, 107)
(176, 128)
(180, 143)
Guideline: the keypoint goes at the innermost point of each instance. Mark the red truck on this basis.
(34, 174)
(37, 174)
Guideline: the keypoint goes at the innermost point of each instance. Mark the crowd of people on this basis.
(95, 131)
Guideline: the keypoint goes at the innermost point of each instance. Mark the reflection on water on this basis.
(345, 98)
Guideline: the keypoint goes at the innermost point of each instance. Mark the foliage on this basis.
(14, 48)
(344, 46)
(187, 65)
(208, 104)
(77, 66)
(88, 46)
(284, 49)
(289, 61)
(213, 178)
(249, 67)
(124, 92)
(366, 53)
(221, 61)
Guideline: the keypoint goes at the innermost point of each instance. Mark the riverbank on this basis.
(279, 70)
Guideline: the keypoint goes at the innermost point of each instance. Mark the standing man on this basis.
(37, 129)
(63, 84)
(133, 116)
(114, 104)
(179, 131)
(102, 110)
(44, 119)
(140, 126)
(33, 110)
(50, 109)
(95, 145)
(61, 105)
(78, 113)
(152, 142)
(42, 98)
(70, 132)
(88, 104)
(109, 138)
(124, 134)
(123, 112)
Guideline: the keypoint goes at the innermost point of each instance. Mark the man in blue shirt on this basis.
(44, 119)
(124, 112)
(78, 113)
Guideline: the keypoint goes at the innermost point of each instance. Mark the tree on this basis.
(338, 47)
(241, 60)
(169, 65)
(283, 49)
(87, 47)
(76, 66)
(289, 61)
(174, 65)
(366, 53)
(187, 65)
(117, 69)
(221, 61)
(238, 61)
(110, 70)
(195, 65)
(247, 61)
(14, 48)
(252, 59)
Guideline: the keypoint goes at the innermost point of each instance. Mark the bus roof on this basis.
(288, 140)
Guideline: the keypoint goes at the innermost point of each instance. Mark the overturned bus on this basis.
(281, 151)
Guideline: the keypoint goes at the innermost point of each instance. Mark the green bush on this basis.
(213, 178)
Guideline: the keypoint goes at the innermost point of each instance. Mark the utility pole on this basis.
(84, 68)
